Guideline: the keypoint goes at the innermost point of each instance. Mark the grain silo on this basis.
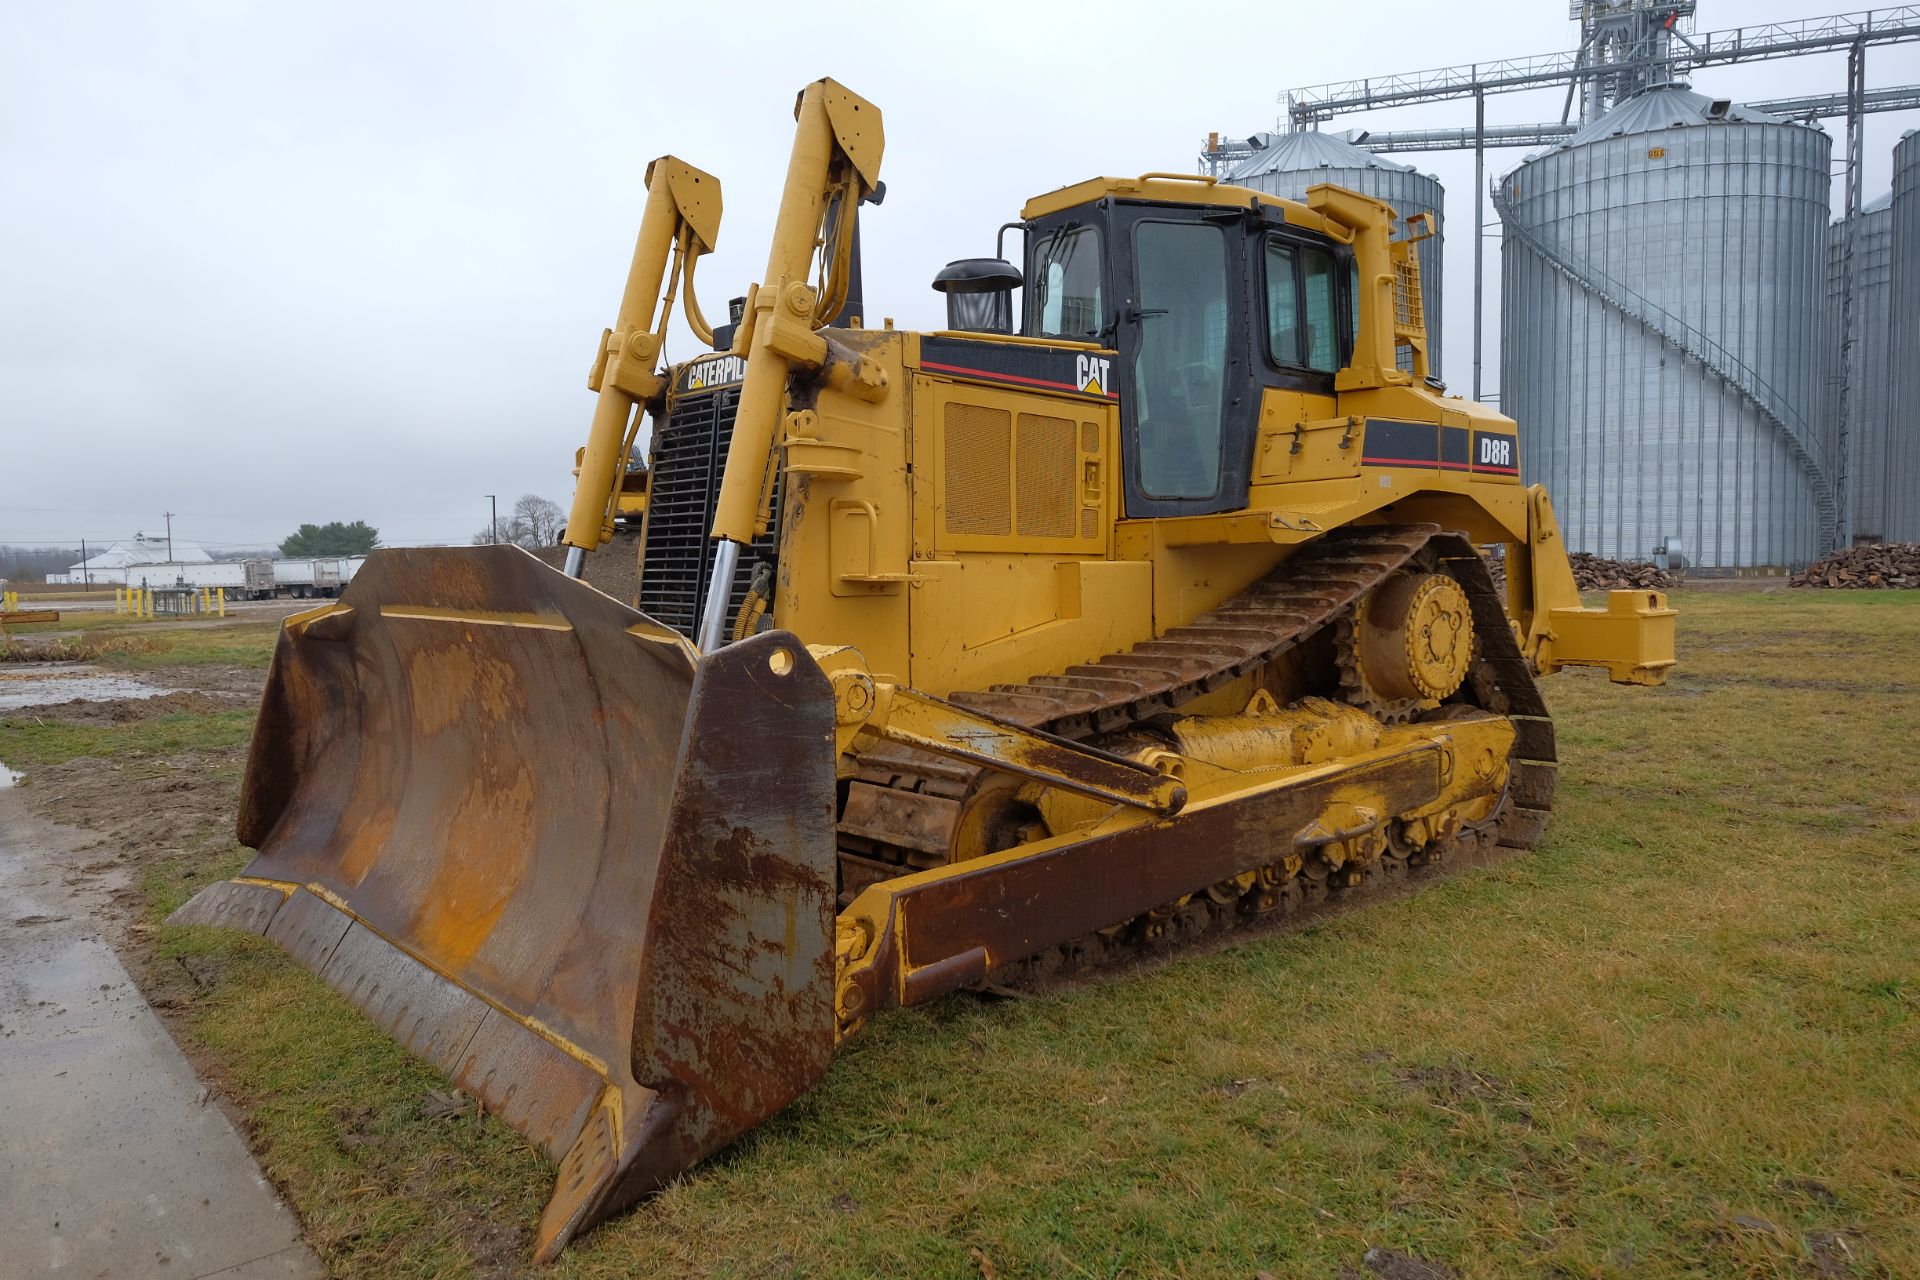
(1662, 284)
(1864, 378)
(1286, 164)
(1902, 464)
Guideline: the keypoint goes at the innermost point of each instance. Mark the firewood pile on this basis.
(1595, 573)
(1879, 566)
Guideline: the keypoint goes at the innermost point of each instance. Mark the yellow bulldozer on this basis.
(962, 657)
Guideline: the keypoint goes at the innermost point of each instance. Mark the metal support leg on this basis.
(1479, 223)
(1849, 231)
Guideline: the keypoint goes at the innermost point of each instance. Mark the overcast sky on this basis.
(264, 264)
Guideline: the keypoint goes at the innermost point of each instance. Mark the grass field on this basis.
(1681, 1039)
(142, 644)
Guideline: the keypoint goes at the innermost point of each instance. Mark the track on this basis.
(906, 810)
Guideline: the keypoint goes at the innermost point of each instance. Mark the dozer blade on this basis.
(583, 870)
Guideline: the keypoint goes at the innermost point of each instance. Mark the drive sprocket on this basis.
(1407, 646)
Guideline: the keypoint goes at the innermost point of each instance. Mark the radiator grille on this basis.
(689, 452)
(979, 486)
(1043, 476)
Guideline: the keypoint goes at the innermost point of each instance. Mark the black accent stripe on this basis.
(1401, 444)
(1391, 443)
(1021, 365)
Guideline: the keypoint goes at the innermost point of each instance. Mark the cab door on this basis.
(1186, 402)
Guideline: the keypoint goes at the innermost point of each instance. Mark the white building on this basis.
(110, 566)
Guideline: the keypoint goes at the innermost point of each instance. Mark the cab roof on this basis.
(1179, 188)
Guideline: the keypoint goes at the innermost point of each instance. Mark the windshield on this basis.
(1063, 293)
(1178, 371)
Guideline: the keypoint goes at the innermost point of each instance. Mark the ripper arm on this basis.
(1632, 637)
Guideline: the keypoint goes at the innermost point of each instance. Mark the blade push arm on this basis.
(682, 218)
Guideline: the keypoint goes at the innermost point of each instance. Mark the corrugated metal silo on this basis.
(1866, 373)
(1286, 164)
(1662, 285)
(1903, 353)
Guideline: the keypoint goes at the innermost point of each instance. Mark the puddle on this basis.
(9, 776)
(30, 687)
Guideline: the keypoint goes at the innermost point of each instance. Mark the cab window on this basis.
(1064, 291)
(1303, 311)
(1321, 315)
(1353, 306)
(1178, 391)
(1283, 304)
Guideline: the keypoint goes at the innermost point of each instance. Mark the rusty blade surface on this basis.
(547, 847)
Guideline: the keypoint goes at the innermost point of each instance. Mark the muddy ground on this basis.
(143, 812)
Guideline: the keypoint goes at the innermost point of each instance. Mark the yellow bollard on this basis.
(147, 601)
(223, 601)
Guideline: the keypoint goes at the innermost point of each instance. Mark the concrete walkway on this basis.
(112, 1163)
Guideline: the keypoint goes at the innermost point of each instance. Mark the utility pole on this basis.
(169, 516)
(86, 574)
(493, 518)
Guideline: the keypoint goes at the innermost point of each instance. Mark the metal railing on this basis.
(1741, 44)
(1818, 105)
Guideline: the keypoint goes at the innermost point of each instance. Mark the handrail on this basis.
(1691, 342)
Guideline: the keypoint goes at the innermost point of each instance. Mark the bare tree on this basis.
(534, 522)
(540, 518)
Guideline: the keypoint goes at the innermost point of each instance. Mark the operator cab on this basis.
(1207, 302)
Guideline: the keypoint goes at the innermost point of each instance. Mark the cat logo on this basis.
(714, 373)
(1091, 374)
